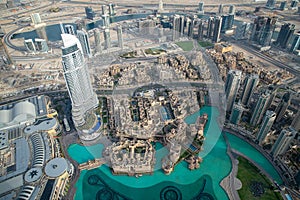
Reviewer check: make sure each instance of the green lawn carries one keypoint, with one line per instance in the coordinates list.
(205, 44)
(185, 45)
(248, 173)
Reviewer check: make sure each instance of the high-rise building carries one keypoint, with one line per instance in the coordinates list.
(111, 9)
(176, 27)
(106, 20)
(160, 6)
(84, 41)
(296, 122)
(283, 141)
(260, 108)
(107, 38)
(77, 79)
(200, 24)
(120, 36)
(104, 9)
(231, 9)
(41, 32)
(231, 87)
(189, 27)
(296, 43)
(266, 125)
(283, 5)
(242, 31)
(282, 107)
(294, 4)
(271, 3)
(227, 22)
(236, 113)
(35, 18)
(97, 36)
(250, 84)
(210, 27)
(182, 21)
(220, 11)
(201, 7)
(90, 14)
(217, 29)
(41, 45)
(70, 29)
(285, 34)
(29, 45)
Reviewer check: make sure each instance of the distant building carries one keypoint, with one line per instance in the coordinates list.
(106, 20)
(271, 4)
(283, 105)
(283, 141)
(227, 22)
(111, 9)
(260, 108)
(231, 9)
(120, 37)
(90, 14)
(294, 4)
(107, 38)
(236, 113)
(210, 27)
(70, 29)
(160, 6)
(231, 87)
(283, 5)
(200, 24)
(77, 79)
(176, 27)
(296, 44)
(84, 41)
(35, 18)
(266, 125)
(242, 31)
(296, 122)
(201, 8)
(250, 84)
(97, 36)
(285, 35)
(104, 10)
(220, 11)
(41, 45)
(29, 45)
(217, 29)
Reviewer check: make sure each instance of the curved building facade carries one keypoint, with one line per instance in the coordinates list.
(77, 79)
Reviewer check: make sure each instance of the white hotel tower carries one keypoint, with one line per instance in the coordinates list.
(77, 79)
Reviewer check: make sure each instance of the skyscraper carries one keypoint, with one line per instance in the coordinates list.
(106, 20)
(70, 29)
(283, 141)
(285, 34)
(201, 7)
(111, 9)
(260, 108)
(35, 18)
(296, 43)
(160, 6)
(210, 27)
(242, 31)
(29, 45)
(266, 125)
(84, 41)
(120, 36)
(231, 9)
(77, 79)
(283, 5)
(271, 3)
(104, 9)
(98, 47)
(41, 45)
(217, 29)
(200, 25)
(250, 84)
(236, 113)
(107, 38)
(296, 122)
(220, 11)
(283, 105)
(231, 87)
(90, 14)
(176, 27)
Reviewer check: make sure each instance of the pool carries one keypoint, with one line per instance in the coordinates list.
(181, 183)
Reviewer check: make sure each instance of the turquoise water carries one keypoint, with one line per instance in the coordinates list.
(243, 147)
(182, 183)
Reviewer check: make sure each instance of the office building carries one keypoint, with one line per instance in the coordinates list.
(242, 31)
(77, 79)
(296, 44)
(217, 29)
(231, 10)
(231, 87)
(250, 84)
(176, 27)
(182, 21)
(107, 38)
(29, 45)
(236, 113)
(189, 27)
(260, 108)
(227, 22)
(35, 18)
(90, 14)
(220, 11)
(283, 5)
(106, 20)
(283, 141)
(160, 6)
(111, 9)
(283, 105)
(41, 45)
(200, 24)
(70, 29)
(294, 4)
(120, 37)
(271, 4)
(97, 36)
(286, 33)
(266, 125)
(201, 8)
(210, 27)
(84, 41)
(296, 122)
(104, 9)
